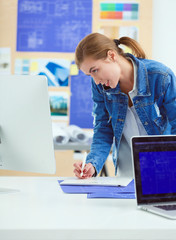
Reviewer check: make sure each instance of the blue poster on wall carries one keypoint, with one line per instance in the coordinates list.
(81, 103)
(52, 25)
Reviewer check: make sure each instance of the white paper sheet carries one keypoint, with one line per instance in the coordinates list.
(104, 181)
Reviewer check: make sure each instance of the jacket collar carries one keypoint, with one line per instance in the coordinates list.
(142, 82)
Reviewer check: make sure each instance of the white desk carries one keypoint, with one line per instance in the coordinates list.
(42, 211)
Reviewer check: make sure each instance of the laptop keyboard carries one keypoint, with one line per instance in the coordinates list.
(167, 207)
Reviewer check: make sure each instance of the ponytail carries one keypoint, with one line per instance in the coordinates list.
(132, 44)
(97, 45)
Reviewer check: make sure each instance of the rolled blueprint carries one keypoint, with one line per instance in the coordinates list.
(76, 134)
(60, 136)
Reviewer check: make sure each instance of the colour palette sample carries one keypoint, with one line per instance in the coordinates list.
(122, 11)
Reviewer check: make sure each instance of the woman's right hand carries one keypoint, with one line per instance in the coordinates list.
(88, 170)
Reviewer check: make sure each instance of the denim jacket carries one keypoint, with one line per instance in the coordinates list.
(155, 104)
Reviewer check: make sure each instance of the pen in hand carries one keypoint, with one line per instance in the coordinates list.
(83, 164)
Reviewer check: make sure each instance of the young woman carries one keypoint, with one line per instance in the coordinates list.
(132, 96)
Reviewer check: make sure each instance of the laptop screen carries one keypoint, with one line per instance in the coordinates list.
(154, 160)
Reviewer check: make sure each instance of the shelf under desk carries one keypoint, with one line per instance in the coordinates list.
(73, 146)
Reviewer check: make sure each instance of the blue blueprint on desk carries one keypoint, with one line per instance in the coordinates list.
(125, 192)
(101, 191)
(122, 195)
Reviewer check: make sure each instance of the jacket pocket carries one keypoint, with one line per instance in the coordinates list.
(159, 120)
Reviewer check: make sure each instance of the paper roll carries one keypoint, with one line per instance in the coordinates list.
(60, 136)
(76, 134)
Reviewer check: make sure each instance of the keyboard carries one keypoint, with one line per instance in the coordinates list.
(167, 207)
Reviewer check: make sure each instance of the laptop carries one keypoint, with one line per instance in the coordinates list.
(154, 167)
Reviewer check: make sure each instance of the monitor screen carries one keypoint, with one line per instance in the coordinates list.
(155, 168)
(26, 141)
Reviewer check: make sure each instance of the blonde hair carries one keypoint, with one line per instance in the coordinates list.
(97, 45)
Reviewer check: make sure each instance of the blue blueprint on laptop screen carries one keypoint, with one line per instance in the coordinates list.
(158, 172)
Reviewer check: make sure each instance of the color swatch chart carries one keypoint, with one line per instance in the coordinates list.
(122, 11)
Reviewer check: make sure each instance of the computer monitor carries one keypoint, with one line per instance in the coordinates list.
(26, 140)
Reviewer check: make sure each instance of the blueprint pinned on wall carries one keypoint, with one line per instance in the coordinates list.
(81, 103)
(52, 25)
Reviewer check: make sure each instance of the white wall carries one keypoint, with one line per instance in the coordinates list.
(164, 32)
